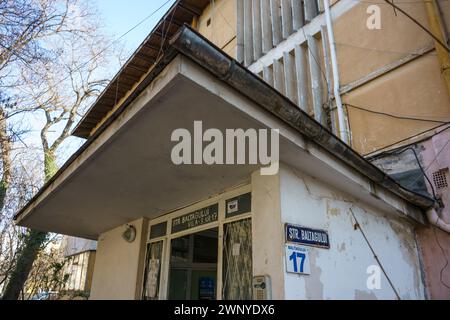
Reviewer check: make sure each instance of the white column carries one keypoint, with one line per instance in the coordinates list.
(286, 18)
(289, 80)
(316, 78)
(248, 33)
(310, 10)
(297, 13)
(266, 24)
(240, 31)
(302, 79)
(276, 21)
(278, 76)
(268, 75)
(326, 60)
(257, 32)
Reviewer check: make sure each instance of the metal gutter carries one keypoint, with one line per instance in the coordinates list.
(206, 54)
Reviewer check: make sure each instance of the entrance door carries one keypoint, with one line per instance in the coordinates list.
(193, 266)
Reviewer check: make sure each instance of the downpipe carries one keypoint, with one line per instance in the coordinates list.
(342, 118)
(436, 220)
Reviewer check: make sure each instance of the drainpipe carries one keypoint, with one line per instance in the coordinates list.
(436, 27)
(342, 119)
(435, 220)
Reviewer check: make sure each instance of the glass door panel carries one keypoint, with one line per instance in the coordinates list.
(193, 266)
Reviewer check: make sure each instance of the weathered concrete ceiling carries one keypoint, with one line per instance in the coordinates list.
(126, 173)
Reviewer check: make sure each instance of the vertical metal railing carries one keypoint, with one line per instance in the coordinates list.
(263, 24)
(301, 73)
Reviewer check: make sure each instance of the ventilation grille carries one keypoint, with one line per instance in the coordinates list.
(440, 178)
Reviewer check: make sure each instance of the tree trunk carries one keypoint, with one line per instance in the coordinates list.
(5, 147)
(3, 190)
(32, 244)
(50, 166)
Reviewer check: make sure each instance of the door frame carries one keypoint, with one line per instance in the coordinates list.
(219, 199)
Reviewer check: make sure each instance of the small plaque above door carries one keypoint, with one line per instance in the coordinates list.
(238, 205)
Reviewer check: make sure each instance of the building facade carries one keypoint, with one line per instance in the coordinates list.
(349, 214)
(79, 255)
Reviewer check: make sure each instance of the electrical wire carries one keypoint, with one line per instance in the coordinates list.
(396, 116)
(368, 155)
(322, 72)
(77, 68)
(431, 163)
(164, 36)
(315, 59)
(358, 226)
(443, 45)
(400, 151)
(441, 274)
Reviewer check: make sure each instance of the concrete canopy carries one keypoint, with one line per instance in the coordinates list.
(126, 173)
(130, 173)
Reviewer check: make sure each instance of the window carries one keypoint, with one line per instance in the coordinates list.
(152, 270)
(237, 260)
(203, 253)
(193, 266)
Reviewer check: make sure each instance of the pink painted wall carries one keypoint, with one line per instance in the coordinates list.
(437, 156)
(434, 243)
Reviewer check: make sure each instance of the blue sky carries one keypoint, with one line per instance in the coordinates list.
(119, 16)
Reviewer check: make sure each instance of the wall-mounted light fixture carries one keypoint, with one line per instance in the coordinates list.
(129, 235)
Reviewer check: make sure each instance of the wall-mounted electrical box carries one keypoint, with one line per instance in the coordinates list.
(262, 289)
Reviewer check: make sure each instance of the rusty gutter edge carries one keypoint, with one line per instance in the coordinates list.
(202, 51)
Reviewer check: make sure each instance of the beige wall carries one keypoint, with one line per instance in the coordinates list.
(361, 50)
(118, 264)
(221, 15)
(267, 231)
(415, 89)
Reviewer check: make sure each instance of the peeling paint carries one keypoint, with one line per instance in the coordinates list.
(332, 211)
(313, 284)
(340, 272)
(410, 254)
(341, 247)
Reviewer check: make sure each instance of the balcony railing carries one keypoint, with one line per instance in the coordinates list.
(299, 68)
(263, 24)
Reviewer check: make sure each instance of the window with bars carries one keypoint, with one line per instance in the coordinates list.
(263, 24)
(237, 260)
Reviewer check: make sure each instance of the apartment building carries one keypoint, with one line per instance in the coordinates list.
(358, 208)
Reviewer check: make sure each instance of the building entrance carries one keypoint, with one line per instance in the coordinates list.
(193, 266)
